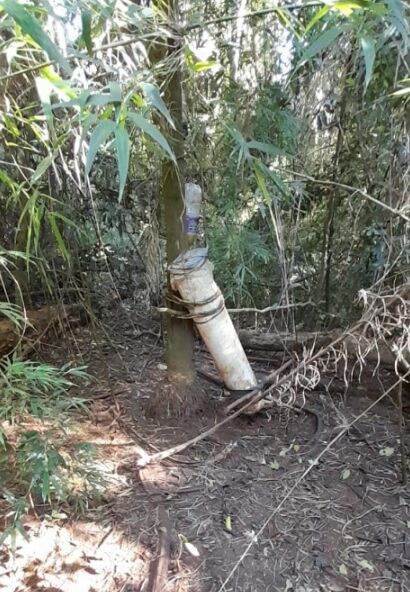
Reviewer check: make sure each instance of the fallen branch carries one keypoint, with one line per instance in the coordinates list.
(158, 576)
(37, 324)
(355, 345)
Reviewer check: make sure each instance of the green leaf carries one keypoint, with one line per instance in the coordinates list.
(369, 52)
(113, 96)
(153, 97)
(241, 144)
(61, 86)
(58, 236)
(14, 314)
(283, 17)
(261, 182)
(98, 138)
(11, 126)
(147, 127)
(41, 168)
(115, 92)
(266, 148)
(399, 19)
(201, 66)
(317, 17)
(321, 43)
(86, 31)
(122, 146)
(30, 26)
(346, 7)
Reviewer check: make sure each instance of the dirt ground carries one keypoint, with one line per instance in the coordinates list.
(246, 510)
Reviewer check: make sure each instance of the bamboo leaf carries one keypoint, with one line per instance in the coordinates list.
(98, 138)
(399, 19)
(41, 168)
(153, 97)
(13, 313)
(321, 43)
(266, 148)
(30, 26)
(369, 53)
(147, 127)
(86, 31)
(261, 182)
(113, 96)
(115, 92)
(122, 146)
(58, 236)
(202, 66)
(346, 7)
(319, 14)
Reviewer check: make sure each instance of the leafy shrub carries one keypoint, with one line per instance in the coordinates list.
(41, 466)
(40, 390)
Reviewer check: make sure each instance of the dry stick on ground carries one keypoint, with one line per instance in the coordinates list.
(402, 435)
(158, 576)
(314, 462)
(250, 398)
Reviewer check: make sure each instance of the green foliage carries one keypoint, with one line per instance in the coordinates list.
(17, 507)
(86, 33)
(42, 464)
(242, 258)
(99, 136)
(369, 52)
(57, 474)
(140, 122)
(38, 389)
(30, 26)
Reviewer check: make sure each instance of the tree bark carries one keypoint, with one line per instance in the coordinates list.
(180, 333)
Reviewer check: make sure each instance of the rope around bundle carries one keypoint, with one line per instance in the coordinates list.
(200, 318)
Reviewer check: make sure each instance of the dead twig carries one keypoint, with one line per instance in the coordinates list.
(159, 567)
(273, 307)
(355, 190)
(402, 435)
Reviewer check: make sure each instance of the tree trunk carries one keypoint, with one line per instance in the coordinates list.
(180, 334)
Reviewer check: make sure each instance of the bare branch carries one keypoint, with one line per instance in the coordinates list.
(274, 307)
(353, 190)
(71, 56)
(233, 17)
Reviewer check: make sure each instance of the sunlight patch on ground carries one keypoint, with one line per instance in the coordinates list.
(85, 557)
